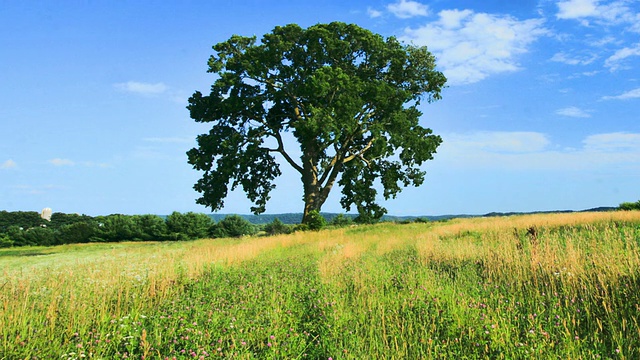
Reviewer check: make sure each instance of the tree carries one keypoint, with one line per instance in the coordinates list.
(630, 205)
(233, 226)
(189, 225)
(348, 97)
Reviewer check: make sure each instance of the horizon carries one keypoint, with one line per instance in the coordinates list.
(540, 113)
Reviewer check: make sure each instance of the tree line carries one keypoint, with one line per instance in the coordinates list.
(27, 228)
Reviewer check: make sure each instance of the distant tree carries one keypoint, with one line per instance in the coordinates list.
(5, 241)
(233, 226)
(116, 227)
(630, 205)
(151, 227)
(341, 220)
(189, 225)
(23, 219)
(348, 96)
(277, 227)
(78, 232)
(59, 219)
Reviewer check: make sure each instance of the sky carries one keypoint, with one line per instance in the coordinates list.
(541, 110)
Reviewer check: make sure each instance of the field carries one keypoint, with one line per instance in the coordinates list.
(560, 286)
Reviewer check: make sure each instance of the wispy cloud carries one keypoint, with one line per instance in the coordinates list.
(471, 46)
(405, 9)
(9, 164)
(373, 13)
(564, 58)
(61, 162)
(576, 9)
(534, 151)
(500, 141)
(604, 14)
(141, 88)
(613, 142)
(573, 111)
(631, 94)
(616, 61)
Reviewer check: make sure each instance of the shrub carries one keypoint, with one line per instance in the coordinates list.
(232, 226)
(190, 225)
(341, 221)
(5, 242)
(277, 227)
(630, 205)
(315, 221)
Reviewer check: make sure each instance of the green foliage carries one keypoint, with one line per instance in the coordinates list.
(630, 205)
(276, 227)
(233, 226)
(315, 221)
(78, 232)
(23, 219)
(152, 227)
(341, 221)
(188, 225)
(349, 97)
(59, 219)
(5, 241)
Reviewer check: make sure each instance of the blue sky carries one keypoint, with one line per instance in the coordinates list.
(541, 113)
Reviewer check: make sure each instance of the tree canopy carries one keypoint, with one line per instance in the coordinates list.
(347, 96)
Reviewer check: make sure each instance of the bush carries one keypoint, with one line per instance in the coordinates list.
(5, 242)
(232, 226)
(630, 205)
(277, 227)
(315, 221)
(341, 221)
(80, 232)
(188, 226)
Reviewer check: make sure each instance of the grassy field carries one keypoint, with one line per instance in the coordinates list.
(561, 286)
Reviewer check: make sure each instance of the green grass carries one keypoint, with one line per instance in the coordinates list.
(464, 289)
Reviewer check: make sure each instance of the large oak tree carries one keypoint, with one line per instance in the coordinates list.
(348, 96)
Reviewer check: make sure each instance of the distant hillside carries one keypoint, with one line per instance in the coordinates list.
(296, 218)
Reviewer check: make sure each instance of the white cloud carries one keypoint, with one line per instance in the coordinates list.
(499, 141)
(142, 88)
(613, 142)
(526, 151)
(612, 13)
(472, 46)
(631, 94)
(373, 13)
(405, 9)
(9, 164)
(61, 162)
(615, 61)
(573, 111)
(566, 59)
(575, 9)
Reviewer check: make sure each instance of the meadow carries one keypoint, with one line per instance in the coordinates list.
(553, 286)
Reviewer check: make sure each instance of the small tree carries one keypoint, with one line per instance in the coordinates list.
(315, 221)
(277, 227)
(630, 205)
(233, 226)
(191, 225)
(340, 221)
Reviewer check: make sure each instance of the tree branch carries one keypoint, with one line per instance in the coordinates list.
(281, 150)
(359, 153)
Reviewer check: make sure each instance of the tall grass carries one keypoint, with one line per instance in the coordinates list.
(535, 286)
